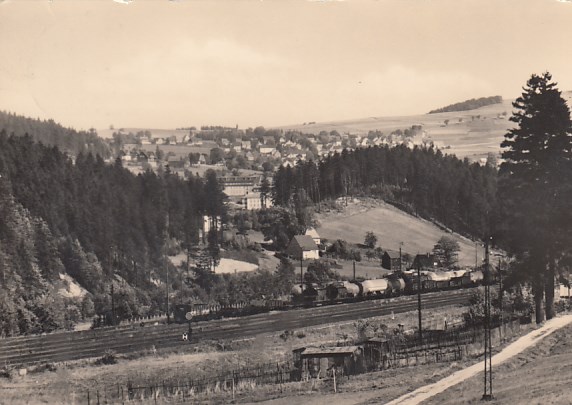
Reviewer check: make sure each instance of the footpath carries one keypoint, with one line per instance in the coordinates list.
(513, 349)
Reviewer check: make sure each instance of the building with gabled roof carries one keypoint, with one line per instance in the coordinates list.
(391, 260)
(303, 247)
(425, 261)
(314, 234)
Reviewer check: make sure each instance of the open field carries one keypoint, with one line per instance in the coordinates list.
(465, 134)
(391, 226)
(234, 266)
(365, 269)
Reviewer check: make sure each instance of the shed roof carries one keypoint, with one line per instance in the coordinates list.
(329, 351)
(392, 254)
(305, 242)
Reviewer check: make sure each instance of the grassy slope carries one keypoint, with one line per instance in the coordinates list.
(540, 375)
(391, 226)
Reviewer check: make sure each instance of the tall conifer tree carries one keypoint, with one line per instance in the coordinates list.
(535, 182)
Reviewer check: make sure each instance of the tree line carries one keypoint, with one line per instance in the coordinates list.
(51, 133)
(455, 193)
(471, 104)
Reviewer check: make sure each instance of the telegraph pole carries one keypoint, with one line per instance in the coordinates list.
(488, 375)
(167, 270)
(419, 300)
(112, 304)
(400, 269)
(301, 272)
(501, 293)
(165, 258)
(354, 270)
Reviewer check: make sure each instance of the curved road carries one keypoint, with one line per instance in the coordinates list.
(59, 347)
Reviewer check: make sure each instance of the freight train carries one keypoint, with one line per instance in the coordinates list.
(393, 285)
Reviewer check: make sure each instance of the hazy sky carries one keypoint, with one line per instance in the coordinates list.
(167, 64)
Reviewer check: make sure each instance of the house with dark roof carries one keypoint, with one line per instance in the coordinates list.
(425, 261)
(302, 247)
(391, 260)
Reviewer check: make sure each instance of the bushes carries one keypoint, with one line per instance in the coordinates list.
(342, 250)
(108, 357)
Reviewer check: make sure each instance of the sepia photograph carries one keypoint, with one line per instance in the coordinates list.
(278, 202)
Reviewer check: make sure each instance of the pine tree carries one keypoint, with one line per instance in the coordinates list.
(535, 183)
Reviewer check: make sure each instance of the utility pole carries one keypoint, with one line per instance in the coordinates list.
(112, 304)
(165, 259)
(167, 270)
(400, 244)
(110, 266)
(301, 272)
(419, 300)
(488, 375)
(501, 292)
(354, 270)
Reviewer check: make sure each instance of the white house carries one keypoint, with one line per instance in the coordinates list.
(303, 247)
(314, 234)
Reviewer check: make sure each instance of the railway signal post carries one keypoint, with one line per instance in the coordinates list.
(189, 318)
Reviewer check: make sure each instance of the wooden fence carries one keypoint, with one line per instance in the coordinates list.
(442, 346)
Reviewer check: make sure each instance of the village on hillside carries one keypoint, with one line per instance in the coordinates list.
(189, 151)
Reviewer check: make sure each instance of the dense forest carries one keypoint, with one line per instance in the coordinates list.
(455, 193)
(96, 222)
(469, 104)
(51, 133)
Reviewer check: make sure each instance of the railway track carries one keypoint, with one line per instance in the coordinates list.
(62, 347)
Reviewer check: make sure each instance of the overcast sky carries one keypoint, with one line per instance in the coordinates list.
(167, 64)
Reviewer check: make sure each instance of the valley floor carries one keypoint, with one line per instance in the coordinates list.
(535, 369)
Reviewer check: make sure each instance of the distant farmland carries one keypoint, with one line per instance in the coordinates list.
(391, 226)
(472, 134)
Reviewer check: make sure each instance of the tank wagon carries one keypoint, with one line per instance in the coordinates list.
(405, 282)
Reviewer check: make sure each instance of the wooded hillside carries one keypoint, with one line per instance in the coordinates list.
(51, 133)
(455, 193)
(469, 104)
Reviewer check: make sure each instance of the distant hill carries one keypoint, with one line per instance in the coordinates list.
(471, 104)
(471, 134)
